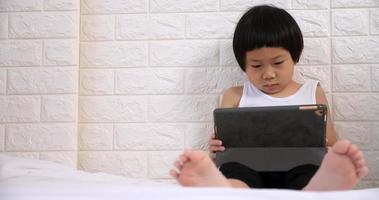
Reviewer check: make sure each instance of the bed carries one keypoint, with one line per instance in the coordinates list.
(22, 178)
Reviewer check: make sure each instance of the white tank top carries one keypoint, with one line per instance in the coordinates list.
(253, 97)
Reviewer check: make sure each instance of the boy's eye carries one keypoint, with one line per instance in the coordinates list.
(278, 63)
(256, 66)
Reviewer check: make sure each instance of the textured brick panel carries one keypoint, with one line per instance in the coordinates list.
(128, 54)
(357, 132)
(375, 77)
(3, 79)
(113, 109)
(350, 22)
(242, 5)
(61, 5)
(349, 106)
(61, 52)
(20, 108)
(149, 81)
(167, 26)
(2, 137)
(41, 137)
(316, 51)
(184, 53)
(20, 52)
(372, 159)
(212, 80)
(21, 5)
(59, 108)
(183, 6)
(37, 25)
(355, 50)
(161, 162)
(142, 136)
(28, 155)
(130, 164)
(310, 4)
(113, 6)
(313, 23)
(95, 136)
(96, 81)
(97, 27)
(354, 3)
(211, 25)
(198, 135)
(374, 17)
(182, 108)
(42, 80)
(227, 54)
(66, 158)
(351, 78)
(154, 26)
(375, 135)
(3, 25)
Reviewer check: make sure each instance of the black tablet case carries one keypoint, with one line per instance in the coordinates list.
(276, 138)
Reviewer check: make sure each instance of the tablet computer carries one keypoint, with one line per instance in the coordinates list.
(276, 138)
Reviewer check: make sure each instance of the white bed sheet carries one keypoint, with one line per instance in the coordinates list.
(22, 179)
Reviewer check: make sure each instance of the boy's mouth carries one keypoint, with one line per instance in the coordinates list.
(270, 86)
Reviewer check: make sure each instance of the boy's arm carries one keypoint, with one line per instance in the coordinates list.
(231, 97)
(330, 133)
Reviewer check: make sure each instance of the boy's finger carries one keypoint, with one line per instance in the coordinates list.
(215, 142)
(217, 148)
(174, 173)
(213, 148)
(178, 165)
(183, 158)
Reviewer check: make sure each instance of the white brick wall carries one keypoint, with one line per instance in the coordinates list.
(42, 25)
(42, 80)
(21, 5)
(20, 53)
(3, 25)
(39, 64)
(2, 137)
(3, 79)
(40, 137)
(131, 54)
(151, 72)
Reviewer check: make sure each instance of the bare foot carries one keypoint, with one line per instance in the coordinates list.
(195, 168)
(341, 169)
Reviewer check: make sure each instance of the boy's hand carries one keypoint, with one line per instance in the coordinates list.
(215, 145)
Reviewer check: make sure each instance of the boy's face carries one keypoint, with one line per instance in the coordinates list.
(270, 69)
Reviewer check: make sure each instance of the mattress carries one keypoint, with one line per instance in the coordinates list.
(22, 179)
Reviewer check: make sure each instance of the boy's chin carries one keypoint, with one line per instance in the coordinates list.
(271, 90)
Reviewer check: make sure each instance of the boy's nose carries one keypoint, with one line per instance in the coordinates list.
(269, 73)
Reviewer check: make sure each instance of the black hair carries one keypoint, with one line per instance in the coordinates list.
(266, 26)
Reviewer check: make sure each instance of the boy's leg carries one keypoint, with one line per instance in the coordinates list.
(241, 176)
(236, 183)
(342, 167)
(297, 178)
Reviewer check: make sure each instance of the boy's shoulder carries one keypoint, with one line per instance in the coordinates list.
(235, 90)
(232, 96)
